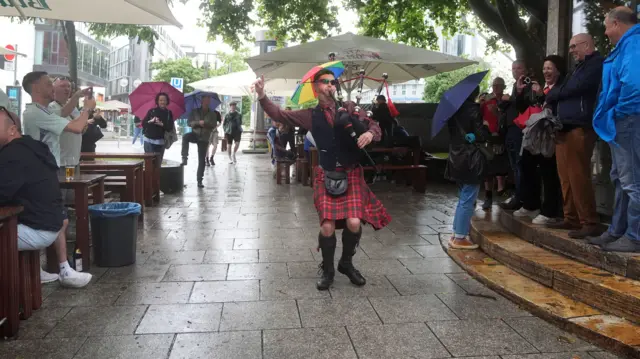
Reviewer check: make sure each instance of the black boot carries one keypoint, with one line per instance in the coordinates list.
(206, 161)
(328, 247)
(350, 241)
(211, 161)
(185, 160)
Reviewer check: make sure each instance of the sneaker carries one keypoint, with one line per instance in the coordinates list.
(211, 161)
(540, 219)
(200, 185)
(526, 213)
(71, 278)
(46, 277)
(603, 239)
(512, 203)
(230, 159)
(234, 158)
(462, 243)
(623, 244)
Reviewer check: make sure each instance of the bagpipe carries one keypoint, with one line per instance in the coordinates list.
(351, 121)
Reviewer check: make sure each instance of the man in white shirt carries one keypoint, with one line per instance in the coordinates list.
(64, 105)
(42, 124)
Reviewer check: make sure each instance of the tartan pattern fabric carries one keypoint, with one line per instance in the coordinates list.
(358, 202)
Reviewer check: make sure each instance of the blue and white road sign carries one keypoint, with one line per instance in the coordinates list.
(178, 82)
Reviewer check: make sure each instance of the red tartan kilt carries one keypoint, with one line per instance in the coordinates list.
(358, 202)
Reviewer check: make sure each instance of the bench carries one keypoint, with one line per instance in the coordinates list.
(29, 282)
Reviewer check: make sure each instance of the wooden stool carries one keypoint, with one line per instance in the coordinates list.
(30, 286)
(282, 165)
(302, 171)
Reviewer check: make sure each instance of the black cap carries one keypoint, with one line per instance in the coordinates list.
(233, 103)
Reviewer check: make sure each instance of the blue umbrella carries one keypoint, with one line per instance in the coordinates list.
(193, 100)
(453, 99)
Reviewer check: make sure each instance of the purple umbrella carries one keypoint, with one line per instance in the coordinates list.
(143, 98)
(193, 100)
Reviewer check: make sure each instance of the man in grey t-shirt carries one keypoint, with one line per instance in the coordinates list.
(42, 124)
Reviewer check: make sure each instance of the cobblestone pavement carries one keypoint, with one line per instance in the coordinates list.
(229, 271)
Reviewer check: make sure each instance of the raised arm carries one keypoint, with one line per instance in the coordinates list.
(299, 118)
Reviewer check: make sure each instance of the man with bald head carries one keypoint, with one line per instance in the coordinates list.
(28, 177)
(617, 121)
(576, 100)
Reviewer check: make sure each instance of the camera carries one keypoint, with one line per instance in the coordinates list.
(527, 80)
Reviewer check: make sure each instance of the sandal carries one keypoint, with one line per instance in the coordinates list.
(468, 245)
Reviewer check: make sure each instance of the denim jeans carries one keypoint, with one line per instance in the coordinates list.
(625, 175)
(137, 132)
(513, 143)
(151, 148)
(464, 210)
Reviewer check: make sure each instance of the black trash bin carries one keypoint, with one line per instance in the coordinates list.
(114, 230)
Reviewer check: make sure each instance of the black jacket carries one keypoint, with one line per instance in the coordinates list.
(526, 99)
(469, 118)
(29, 177)
(575, 99)
(93, 134)
(154, 131)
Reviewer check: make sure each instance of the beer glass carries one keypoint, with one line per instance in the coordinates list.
(70, 169)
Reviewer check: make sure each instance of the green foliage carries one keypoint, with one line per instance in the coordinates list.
(233, 62)
(435, 86)
(293, 20)
(108, 31)
(245, 110)
(311, 104)
(595, 12)
(178, 68)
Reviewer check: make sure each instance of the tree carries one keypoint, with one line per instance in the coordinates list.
(595, 12)
(182, 68)
(245, 110)
(437, 85)
(142, 33)
(297, 20)
(520, 23)
(233, 62)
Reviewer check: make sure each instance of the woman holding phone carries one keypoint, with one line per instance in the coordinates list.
(155, 124)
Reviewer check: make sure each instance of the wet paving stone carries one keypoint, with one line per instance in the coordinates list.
(229, 272)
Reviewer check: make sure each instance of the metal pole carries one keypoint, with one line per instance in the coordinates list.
(15, 67)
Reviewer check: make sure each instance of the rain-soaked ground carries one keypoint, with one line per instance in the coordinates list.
(229, 272)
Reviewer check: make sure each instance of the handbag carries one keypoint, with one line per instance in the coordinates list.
(170, 137)
(336, 183)
(469, 160)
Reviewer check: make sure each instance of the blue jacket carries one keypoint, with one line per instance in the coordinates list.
(620, 96)
(575, 99)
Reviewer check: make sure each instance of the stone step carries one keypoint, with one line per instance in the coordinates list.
(624, 264)
(596, 287)
(608, 331)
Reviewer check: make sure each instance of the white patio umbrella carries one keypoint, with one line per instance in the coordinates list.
(139, 12)
(400, 62)
(239, 84)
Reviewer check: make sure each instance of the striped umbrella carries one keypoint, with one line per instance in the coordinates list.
(305, 91)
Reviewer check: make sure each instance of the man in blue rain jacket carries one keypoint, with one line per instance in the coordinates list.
(617, 121)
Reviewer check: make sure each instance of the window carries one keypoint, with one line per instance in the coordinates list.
(404, 90)
(414, 89)
(460, 44)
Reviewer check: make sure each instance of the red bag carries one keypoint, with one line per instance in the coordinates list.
(521, 120)
(393, 111)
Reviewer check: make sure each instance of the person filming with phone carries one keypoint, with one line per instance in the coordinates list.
(155, 124)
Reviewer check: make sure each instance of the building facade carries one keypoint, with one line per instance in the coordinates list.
(131, 61)
(52, 55)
